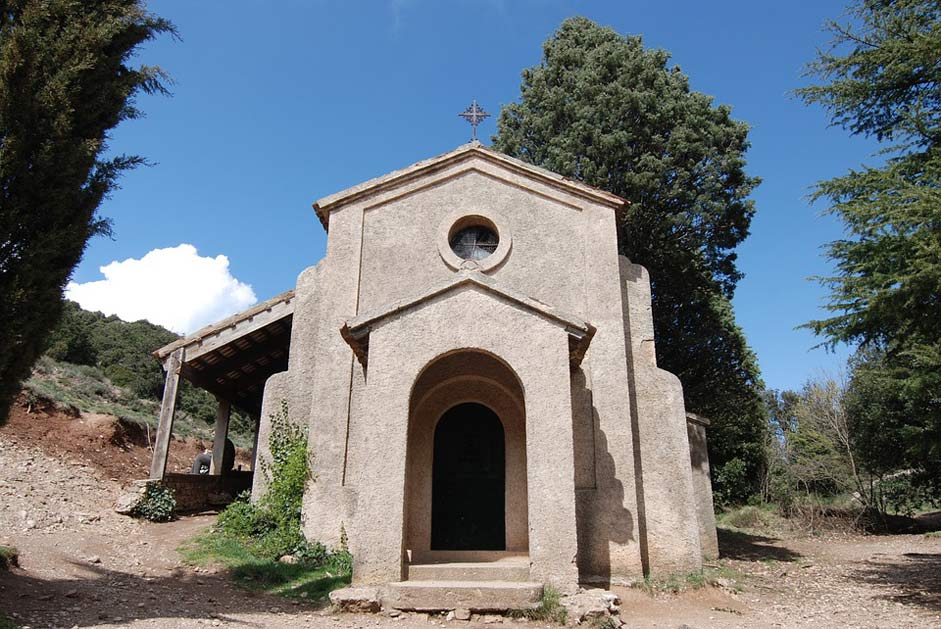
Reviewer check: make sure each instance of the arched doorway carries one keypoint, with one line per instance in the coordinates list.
(468, 480)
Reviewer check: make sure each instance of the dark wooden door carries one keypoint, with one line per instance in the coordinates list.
(468, 481)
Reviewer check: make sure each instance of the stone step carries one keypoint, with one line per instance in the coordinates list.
(516, 570)
(477, 596)
(473, 556)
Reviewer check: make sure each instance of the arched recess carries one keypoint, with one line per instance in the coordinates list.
(465, 376)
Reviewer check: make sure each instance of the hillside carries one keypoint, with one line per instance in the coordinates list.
(100, 364)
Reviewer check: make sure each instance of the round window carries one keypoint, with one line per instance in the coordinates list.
(474, 242)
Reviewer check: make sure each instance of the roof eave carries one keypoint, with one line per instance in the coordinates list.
(356, 331)
(214, 328)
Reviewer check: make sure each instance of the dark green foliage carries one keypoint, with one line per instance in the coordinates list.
(65, 83)
(730, 483)
(122, 351)
(882, 78)
(882, 73)
(157, 504)
(9, 557)
(603, 109)
(272, 528)
(893, 433)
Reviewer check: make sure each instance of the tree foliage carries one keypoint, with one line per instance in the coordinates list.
(122, 350)
(815, 445)
(839, 438)
(882, 78)
(603, 109)
(65, 82)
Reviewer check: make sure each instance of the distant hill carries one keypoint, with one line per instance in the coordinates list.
(120, 349)
(101, 364)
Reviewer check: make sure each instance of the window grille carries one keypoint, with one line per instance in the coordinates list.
(474, 243)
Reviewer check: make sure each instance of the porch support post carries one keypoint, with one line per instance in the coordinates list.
(222, 433)
(255, 443)
(158, 466)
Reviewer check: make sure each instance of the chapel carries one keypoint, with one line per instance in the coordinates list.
(475, 365)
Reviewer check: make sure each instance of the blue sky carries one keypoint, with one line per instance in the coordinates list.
(278, 104)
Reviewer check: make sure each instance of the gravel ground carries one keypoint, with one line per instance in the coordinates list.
(82, 565)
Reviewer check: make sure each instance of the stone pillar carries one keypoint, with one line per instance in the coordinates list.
(550, 462)
(702, 485)
(277, 388)
(375, 486)
(666, 501)
(221, 434)
(158, 465)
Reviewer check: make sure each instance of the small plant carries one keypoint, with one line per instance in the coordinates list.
(606, 622)
(550, 608)
(696, 580)
(157, 504)
(341, 561)
(9, 557)
(675, 582)
(313, 553)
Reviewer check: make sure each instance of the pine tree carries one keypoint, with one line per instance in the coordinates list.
(882, 79)
(65, 82)
(603, 109)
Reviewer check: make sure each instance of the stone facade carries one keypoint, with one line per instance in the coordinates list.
(550, 329)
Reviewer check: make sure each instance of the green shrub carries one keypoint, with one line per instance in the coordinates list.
(905, 493)
(727, 481)
(752, 517)
(249, 538)
(241, 519)
(9, 557)
(157, 504)
(271, 528)
(288, 471)
(313, 553)
(340, 561)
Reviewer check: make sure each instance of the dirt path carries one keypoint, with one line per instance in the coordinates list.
(83, 565)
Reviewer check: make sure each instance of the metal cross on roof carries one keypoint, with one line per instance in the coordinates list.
(474, 115)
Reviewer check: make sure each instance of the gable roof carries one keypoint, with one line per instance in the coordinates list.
(324, 206)
(356, 331)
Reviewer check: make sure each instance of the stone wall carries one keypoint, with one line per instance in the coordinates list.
(699, 459)
(197, 492)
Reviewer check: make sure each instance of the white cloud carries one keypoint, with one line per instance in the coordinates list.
(173, 287)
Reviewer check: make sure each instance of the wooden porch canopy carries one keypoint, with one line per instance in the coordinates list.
(231, 359)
